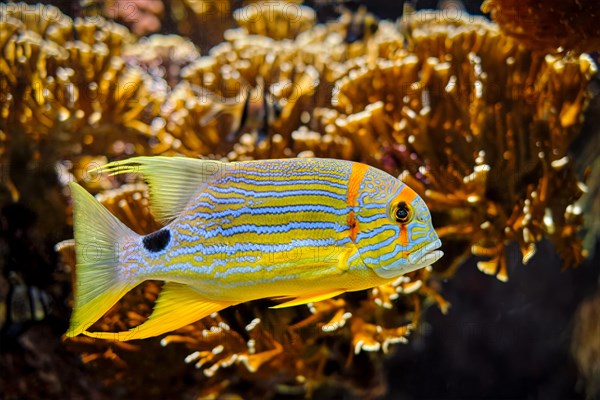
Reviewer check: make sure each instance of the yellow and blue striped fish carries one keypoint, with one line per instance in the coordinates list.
(300, 230)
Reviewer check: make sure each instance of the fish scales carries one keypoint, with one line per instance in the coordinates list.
(280, 240)
(301, 230)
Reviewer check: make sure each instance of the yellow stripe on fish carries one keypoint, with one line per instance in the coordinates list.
(302, 230)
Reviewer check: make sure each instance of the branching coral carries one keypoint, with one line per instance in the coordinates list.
(65, 95)
(219, 85)
(204, 21)
(278, 20)
(549, 25)
(47, 21)
(29, 62)
(325, 47)
(485, 146)
(162, 56)
(285, 78)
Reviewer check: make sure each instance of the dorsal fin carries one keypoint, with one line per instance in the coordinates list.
(172, 181)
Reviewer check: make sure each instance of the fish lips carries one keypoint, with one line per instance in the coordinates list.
(420, 258)
(426, 255)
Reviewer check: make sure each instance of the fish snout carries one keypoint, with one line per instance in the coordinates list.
(427, 254)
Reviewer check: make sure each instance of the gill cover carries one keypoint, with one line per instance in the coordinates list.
(395, 235)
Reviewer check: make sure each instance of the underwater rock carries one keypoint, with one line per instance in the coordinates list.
(585, 345)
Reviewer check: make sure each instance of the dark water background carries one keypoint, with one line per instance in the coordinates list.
(499, 340)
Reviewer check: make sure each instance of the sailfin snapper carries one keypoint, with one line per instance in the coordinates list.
(301, 230)
(254, 113)
(361, 25)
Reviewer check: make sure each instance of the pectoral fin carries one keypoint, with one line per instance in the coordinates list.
(345, 257)
(177, 305)
(310, 298)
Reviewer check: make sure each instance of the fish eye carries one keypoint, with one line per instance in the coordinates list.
(403, 213)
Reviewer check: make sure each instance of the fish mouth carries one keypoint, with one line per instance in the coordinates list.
(418, 259)
(426, 255)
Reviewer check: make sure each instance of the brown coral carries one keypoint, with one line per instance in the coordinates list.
(277, 20)
(296, 76)
(45, 20)
(64, 96)
(204, 21)
(257, 66)
(456, 122)
(549, 25)
(162, 57)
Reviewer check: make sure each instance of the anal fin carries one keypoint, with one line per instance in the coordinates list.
(178, 305)
(310, 298)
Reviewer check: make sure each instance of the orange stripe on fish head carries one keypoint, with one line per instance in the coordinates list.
(356, 177)
(406, 195)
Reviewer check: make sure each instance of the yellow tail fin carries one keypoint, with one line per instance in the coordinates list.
(98, 285)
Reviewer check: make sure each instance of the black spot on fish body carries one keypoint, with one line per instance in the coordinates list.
(157, 241)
